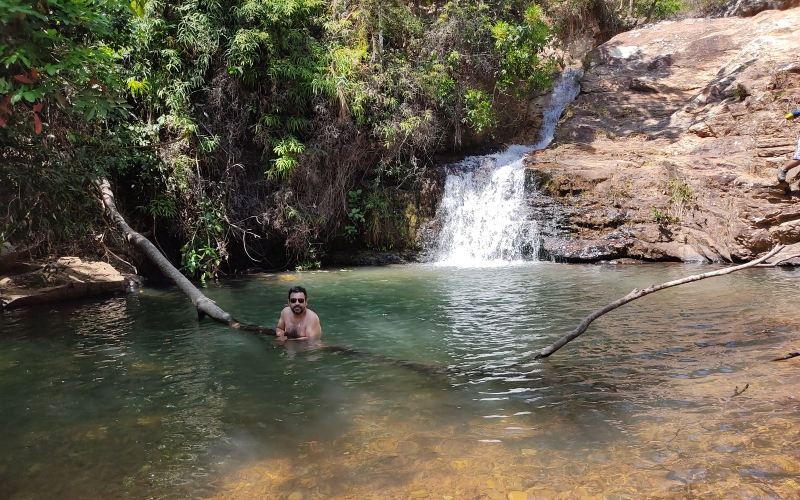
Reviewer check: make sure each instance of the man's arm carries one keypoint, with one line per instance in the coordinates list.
(280, 330)
(314, 331)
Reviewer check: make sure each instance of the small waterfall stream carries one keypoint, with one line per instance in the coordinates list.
(483, 214)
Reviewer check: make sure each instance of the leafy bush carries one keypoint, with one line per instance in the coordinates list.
(520, 46)
(478, 111)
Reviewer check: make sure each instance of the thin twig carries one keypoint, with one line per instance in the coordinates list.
(156, 145)
(736, 390)
(108, 251)
(787, 356)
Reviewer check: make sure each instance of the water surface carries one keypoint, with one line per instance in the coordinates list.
(130, 397)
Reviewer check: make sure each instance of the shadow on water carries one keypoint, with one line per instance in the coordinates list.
(132, 397)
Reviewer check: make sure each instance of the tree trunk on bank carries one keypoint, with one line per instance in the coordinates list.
(635, 294)
(204, 305)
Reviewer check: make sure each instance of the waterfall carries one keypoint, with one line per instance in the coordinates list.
(483, 214)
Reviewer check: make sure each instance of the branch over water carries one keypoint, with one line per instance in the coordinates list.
(635, 294)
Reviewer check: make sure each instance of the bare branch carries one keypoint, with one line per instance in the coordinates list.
(787, 356)
(635, 294)
(736, 390)
(204, 305)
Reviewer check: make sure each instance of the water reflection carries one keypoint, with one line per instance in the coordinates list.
(132, 397)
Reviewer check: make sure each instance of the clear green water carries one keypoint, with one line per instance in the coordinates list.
(130, 397)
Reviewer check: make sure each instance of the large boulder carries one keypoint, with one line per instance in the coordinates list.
(670, 151)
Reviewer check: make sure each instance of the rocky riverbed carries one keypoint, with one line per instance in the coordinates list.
(670, 151)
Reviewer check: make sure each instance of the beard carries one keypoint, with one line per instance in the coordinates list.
(297, 309)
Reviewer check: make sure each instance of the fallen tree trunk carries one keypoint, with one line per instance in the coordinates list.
(635, 294)
(204, 305)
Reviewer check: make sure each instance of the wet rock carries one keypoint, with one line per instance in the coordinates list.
(370, 258)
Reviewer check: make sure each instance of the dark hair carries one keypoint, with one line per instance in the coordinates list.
(298, 289)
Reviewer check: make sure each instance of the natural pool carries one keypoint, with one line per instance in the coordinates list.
(130, 397)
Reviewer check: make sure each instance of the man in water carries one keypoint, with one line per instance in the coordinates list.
(297, 321)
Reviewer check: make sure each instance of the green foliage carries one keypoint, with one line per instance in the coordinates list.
(274, 45)
(62, 51)
(681, 198)
(478, 111)
(437, 81)
(202, 254)
(172, 48)
(162, 207)
(521, 65)
(63, 118)
(656, 10)
(374, 217)
(308, 265)
(680, 193)
(200, 260)
(661, 216)
(139, 91)
(355, 214)
(287, 150)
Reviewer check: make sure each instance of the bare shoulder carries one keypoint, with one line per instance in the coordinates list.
(312, 315)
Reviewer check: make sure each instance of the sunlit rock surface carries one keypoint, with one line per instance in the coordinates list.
(671, 149)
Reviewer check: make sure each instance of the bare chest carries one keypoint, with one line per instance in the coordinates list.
(296, 328)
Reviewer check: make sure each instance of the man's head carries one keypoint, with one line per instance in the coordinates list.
(298, 299)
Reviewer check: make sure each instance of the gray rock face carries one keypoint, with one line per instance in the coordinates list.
(749, 8)
(670, 152)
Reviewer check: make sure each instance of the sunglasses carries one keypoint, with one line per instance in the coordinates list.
(300, 301)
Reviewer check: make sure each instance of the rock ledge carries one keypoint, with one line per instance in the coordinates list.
(67, 278)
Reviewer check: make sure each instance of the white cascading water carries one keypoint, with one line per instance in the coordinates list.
(483, 213)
